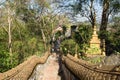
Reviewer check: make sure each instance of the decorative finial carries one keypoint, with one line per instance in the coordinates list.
(95, 30)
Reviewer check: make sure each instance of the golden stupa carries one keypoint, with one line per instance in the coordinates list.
(94, 44)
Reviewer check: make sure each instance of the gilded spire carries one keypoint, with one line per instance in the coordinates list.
(95, 39)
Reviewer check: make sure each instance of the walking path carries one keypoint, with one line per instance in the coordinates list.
(47, 71)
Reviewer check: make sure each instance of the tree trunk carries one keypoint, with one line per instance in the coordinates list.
(9, 33)
(44, 38)
(103, 26)
(92, 14)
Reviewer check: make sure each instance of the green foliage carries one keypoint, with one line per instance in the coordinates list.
(23, 49)
(95, 60)
(103, 34)
(83, 36)
(58, 34)
(26, 38)
(20, 31)
(112, 37)
(64, 29)
(32, 44)
(19, 50)
(3, 34)
(40, 48)
(5, 61)
(29, 25)
(69, 46)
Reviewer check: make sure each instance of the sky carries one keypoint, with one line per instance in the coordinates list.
(1, 1)
(67, 11)
(78, 17)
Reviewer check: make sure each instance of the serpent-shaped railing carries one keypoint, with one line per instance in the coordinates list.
(25, 69)
(72, 68)
(86, 71)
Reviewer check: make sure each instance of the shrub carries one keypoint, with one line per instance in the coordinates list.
(5, 61)
(69, 46)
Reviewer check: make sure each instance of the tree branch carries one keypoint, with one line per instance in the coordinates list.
(88, 18)
(110, 12)
(5, 29)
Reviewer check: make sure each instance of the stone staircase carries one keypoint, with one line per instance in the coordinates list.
(47, 71)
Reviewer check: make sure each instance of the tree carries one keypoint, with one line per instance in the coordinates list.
(83, 36)
(8, 15)
(109, 7)
(113, 36)
(19, 31)
(87, 9)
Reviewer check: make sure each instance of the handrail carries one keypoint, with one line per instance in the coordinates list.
(95, 67)
(85, 71)
(25, 69)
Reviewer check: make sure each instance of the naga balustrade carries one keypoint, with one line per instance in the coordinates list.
(82, 70)
(24, 70)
